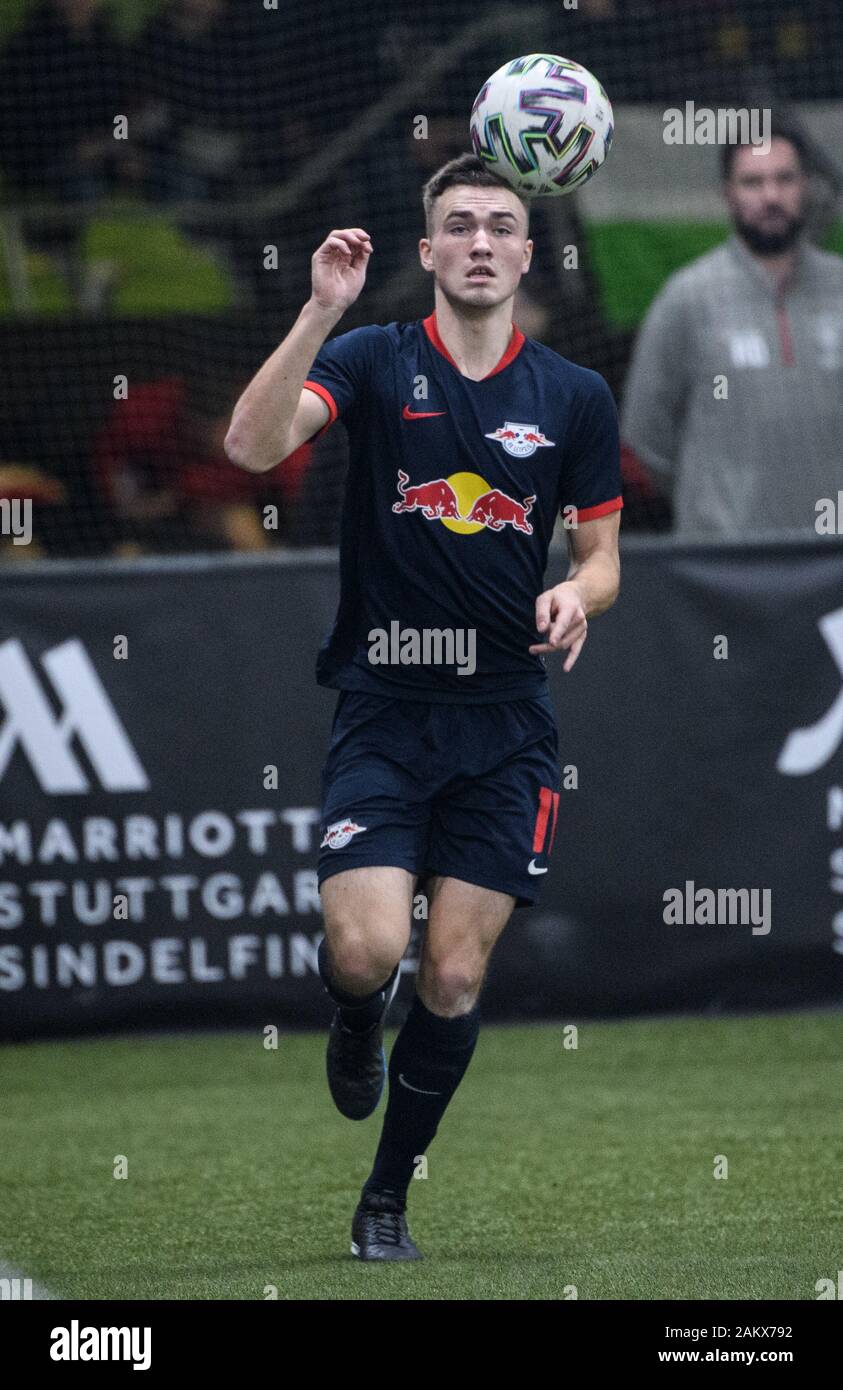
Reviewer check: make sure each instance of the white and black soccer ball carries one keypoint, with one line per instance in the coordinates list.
(543, 123)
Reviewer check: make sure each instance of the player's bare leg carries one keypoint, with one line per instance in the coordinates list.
(367, 927)
(430, 1055)
(464, 922)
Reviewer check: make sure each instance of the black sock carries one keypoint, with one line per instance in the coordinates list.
(358, 1012)
(430, 1054)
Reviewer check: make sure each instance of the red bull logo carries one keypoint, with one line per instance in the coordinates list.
(436, 499)
(465, 503)
(340, 833)
(520, 440)
(496, 510)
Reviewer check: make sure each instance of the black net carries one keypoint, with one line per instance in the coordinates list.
(169, 168)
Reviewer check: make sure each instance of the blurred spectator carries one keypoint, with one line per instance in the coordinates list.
(665, 50)
(196, 65)
(160, 468)
(63, 79)
(218, 124)
(734, 398)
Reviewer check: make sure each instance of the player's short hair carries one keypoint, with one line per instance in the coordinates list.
(778, 131)
(466, 169)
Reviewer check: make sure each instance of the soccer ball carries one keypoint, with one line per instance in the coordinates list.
(543, 123)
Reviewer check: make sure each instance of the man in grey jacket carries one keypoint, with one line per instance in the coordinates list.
(734, 398)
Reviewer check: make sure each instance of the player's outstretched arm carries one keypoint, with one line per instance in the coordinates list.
(275, 415)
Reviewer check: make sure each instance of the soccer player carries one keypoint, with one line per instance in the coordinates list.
(467, 441)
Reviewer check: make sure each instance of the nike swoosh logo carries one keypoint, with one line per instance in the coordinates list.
(531, 868)
(408, 414)
(416, 1088)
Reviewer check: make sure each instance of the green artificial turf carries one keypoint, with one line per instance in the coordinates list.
(553, 1167)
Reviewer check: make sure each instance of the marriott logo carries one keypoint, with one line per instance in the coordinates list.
(87, 715)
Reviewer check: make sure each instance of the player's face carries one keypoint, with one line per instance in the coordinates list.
(478, 249)
(766, 195)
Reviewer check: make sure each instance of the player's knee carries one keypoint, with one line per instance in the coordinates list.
(359, 961)
(451, 985)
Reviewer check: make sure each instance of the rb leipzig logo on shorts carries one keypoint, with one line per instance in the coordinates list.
(340, 833)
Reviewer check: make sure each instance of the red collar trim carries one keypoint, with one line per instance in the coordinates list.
(514, 346)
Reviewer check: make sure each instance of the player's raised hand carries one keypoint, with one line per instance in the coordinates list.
(560, 615)
(339, 268)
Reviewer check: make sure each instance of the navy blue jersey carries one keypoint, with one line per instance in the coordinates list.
(453, 490)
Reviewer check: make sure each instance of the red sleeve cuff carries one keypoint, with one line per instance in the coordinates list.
(602, 509)
(330, 403)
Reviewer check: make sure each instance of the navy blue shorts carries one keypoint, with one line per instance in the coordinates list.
(467, 791)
